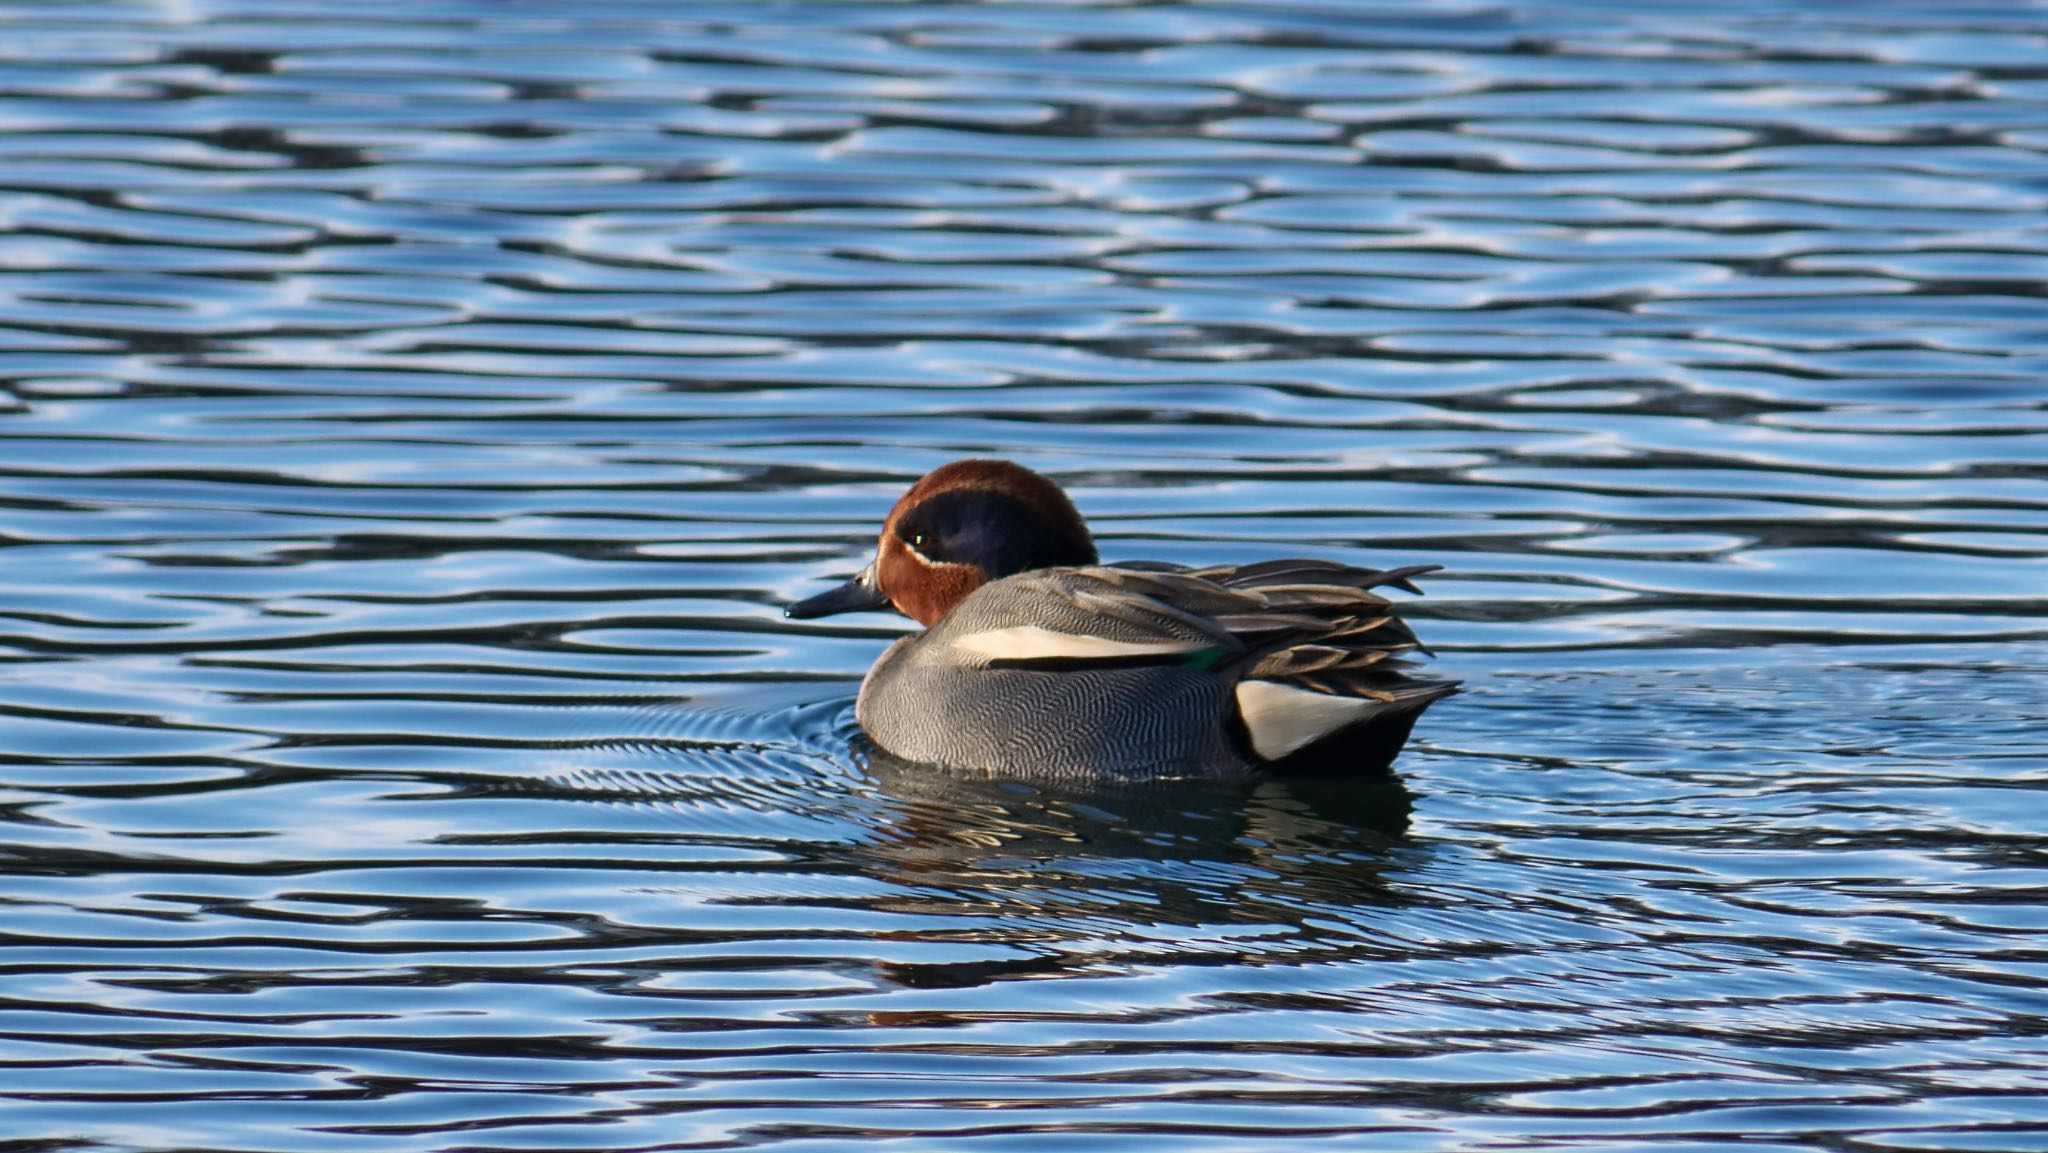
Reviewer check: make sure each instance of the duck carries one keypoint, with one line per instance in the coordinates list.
(1035, 658)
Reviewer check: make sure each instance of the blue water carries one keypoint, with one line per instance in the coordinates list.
(413, 417)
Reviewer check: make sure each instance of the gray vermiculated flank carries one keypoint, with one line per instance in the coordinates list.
(1129, 721)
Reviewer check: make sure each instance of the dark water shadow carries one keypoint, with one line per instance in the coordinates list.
(1080, 874)
(950, 817)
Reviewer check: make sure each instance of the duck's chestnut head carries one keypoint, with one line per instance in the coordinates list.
(961, 526)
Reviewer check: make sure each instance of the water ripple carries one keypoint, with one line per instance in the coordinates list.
(411, 426)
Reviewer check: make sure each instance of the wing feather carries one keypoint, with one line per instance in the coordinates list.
(1302, 624)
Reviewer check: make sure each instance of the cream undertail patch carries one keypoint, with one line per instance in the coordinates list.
(1281, 718)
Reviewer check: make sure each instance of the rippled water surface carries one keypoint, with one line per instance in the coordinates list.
(413, 417)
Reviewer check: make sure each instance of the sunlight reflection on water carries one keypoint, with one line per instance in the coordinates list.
(413, 421)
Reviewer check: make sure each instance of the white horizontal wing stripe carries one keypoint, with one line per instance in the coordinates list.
(1033, 642)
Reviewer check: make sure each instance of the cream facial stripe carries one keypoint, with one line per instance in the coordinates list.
(924, 560)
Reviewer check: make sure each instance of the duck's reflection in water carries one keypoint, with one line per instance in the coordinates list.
(1076, 875)
(1011, 877)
